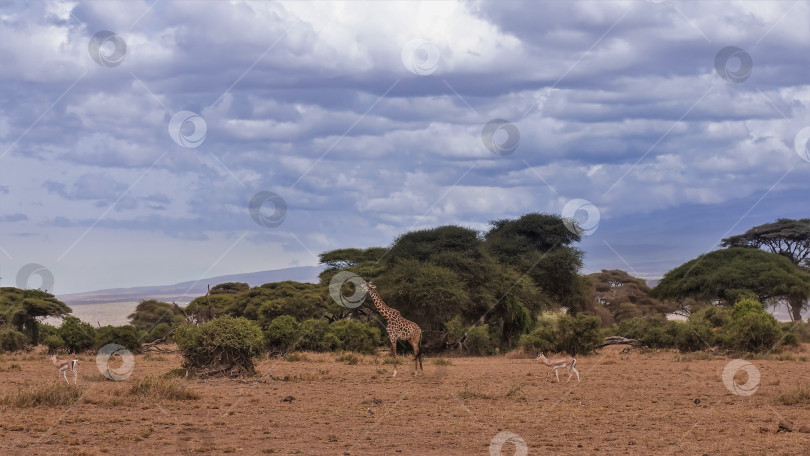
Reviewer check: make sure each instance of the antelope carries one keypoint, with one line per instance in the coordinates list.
(563, 362)
(63, 367)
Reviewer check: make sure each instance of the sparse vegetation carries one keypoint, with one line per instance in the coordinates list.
(797, 396)
(162, 388)
(52, 394)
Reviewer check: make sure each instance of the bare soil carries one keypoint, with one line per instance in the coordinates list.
(638, 403)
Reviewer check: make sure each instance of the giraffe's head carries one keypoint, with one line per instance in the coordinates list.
(368, 286)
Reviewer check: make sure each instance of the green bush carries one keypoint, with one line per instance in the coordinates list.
(564, 333)
(352, 335)
(542, 339)
(12, 340)
(578, 335)
(224, 345)
(53, 342)
(78, 335)
(127, 336)
(160, 331)
(479, 341)
(751, 328)
(312, 335)
(282, 333)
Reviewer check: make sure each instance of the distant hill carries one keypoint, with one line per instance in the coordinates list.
(186, 291)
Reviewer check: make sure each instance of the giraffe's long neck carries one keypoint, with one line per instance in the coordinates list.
(383, 309)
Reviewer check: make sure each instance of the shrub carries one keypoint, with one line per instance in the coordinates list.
(353, 335)
(126, 336)
(160, 331)
(78, 335)
(53, 342)
(224, 345)
(282, 333)
(564, 333)
(751, 328)
(543, 338)
(12, 340)
(479, 341)
(578, 335)
(312, 335)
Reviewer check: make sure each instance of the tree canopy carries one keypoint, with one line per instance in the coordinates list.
(726, 276)
(787, 237)
(21, 309)
(625, 297)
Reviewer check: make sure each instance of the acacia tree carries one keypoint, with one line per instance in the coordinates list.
(787, 237)
(726, 276)
(625, 296)
(539, 245)
(24, 308)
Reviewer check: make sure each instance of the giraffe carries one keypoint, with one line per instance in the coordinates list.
(398, 328)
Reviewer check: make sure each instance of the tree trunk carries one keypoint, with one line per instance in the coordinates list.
(796, 304)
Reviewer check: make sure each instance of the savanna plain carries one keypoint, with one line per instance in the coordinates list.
(637, 402)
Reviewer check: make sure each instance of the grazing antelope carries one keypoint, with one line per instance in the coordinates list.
(63, 367)
(563, 362)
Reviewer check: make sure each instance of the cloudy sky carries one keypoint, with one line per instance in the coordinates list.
(146, 143)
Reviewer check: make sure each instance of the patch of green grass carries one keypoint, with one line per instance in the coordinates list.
(163, 388)
(442, 362)
(798, 396)
(45, 395)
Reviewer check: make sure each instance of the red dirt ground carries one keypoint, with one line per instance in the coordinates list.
(637, 403)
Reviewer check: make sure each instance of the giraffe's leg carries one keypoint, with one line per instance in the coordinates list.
(416, 360)
(394, 353)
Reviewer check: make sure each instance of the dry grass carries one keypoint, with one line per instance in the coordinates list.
(43, 395)
(797, 396)
(163, 388)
